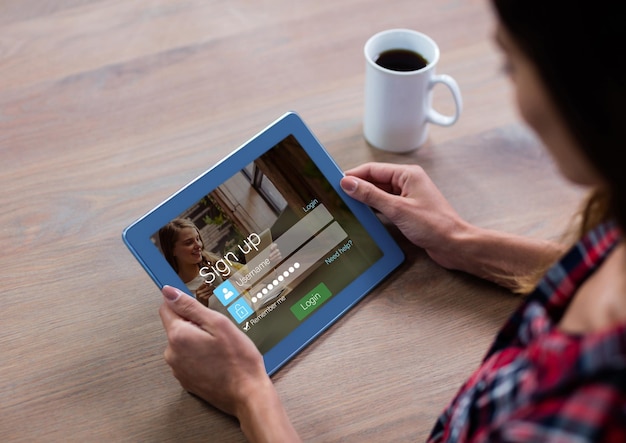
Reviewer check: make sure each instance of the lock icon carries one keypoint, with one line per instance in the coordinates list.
(240, 310)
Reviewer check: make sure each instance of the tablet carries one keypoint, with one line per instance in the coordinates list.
(268, 238)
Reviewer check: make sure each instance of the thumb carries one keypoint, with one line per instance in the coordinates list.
(368, 193)
(183, 305)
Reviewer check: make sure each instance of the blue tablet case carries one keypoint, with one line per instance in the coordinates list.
(281, 188)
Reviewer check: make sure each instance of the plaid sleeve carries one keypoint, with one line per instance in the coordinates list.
(538, 384)
(593, 413)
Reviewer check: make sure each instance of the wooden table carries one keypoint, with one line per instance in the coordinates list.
(109, 106)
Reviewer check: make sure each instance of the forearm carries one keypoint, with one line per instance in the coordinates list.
(498, 257)
(264, 419)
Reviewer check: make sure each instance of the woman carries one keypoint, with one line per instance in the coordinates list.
(557, 369)
(183, 249)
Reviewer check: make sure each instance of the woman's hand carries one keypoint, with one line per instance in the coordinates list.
(203, 293)
(275, 255)
(208, 354)
(410, 200)
(216, 361)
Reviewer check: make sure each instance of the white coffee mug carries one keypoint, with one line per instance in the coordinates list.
(398, 104)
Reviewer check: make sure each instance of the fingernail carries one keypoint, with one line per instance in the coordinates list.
(171, 293)
(349, 184)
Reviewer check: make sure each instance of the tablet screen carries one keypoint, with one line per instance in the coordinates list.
(268, 238)
(269, 246)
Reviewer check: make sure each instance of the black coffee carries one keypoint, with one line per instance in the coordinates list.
(401, 60)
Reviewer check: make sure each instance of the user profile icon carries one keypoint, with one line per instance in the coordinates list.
(226, 293)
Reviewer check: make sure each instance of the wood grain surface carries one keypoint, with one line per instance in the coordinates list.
(109, 106)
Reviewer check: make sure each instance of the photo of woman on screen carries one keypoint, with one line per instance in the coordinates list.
(184, 250)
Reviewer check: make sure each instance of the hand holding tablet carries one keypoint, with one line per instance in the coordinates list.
(272, 239)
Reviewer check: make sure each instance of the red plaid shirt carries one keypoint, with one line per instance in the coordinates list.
(539, 384)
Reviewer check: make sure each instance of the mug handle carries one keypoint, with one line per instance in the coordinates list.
(446, 120)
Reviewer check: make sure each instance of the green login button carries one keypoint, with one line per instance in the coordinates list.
(311, 301)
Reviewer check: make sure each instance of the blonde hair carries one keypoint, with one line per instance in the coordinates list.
(168, 236)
